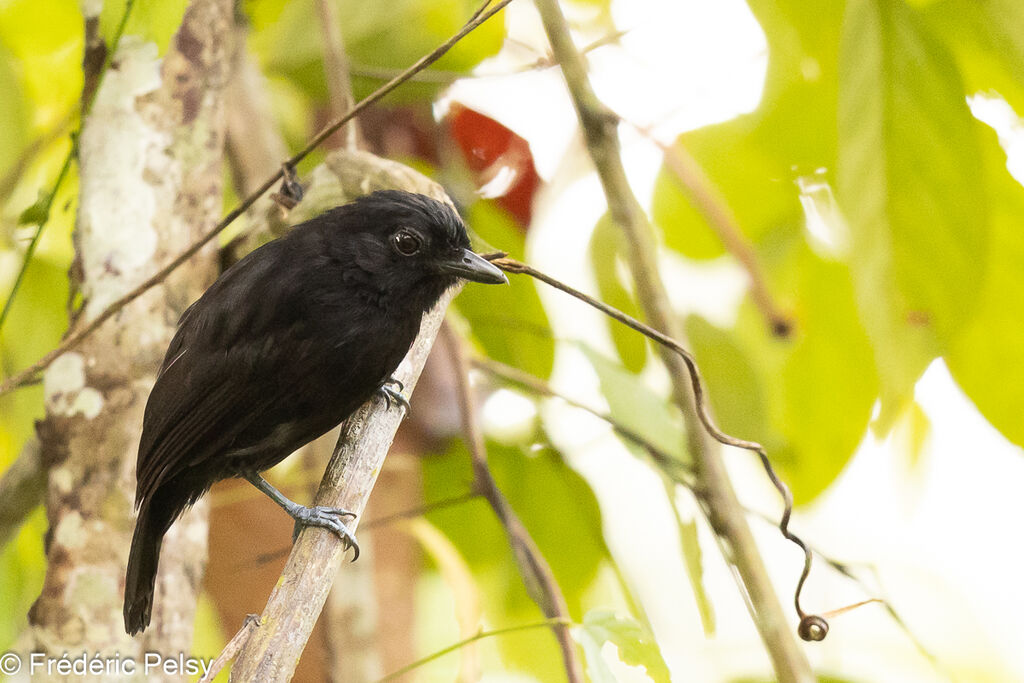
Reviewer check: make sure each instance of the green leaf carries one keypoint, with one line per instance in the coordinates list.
(735, 388)
(796, 122)
(549, 498)
(636, 646)
(694, 558)
(38, 213)
(606, 244)
(988, 42)
(153, 20)
(46, 40)
(910, 182)
(986, 359)
(748, 183)
(807, 399)
(13, 122)
(509, 322)
(634, 405)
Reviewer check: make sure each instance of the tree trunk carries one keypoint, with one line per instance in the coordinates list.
(150, 183)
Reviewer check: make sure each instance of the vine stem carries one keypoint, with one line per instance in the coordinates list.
(533, 567)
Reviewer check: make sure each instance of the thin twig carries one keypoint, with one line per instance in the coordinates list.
(537, 575)
(468, 641)
(234, 646)
(447, 77)
(72, 340)
(720, 217)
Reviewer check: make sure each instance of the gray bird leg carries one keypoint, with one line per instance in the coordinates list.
(322, 516)
(393, 395)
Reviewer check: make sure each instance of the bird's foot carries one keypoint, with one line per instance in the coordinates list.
(323, 516)
(328, 518)
(394, 395)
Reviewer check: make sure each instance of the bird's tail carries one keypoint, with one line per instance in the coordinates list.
(140, 579)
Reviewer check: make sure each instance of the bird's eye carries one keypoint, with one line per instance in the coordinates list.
(406, 243)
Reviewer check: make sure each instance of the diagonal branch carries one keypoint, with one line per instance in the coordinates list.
(537, 575)
(26, 376)
(723, 509)
(273, 650)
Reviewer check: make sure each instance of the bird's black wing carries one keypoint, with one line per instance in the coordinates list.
(241, 351)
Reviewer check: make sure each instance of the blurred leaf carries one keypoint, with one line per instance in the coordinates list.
(152, 20)
(46, 40)
(750, 184)
(693, 556)
(457, 576)
(986, 359)
(637, 407)
(509, 322)
(735, 391)
(910, 433)
(550, 498)
(910, 182)
(208, 636)
(13, 122)
(37, 321)
(38, 212)
(795, 125)
(393, 35)
(987, 39)
(635, 644)
(606, 244)
(22, 566)
(806, 399)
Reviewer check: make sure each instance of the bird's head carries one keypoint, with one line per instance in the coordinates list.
(401, 242)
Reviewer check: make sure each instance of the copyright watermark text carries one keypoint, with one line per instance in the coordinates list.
(97, 664)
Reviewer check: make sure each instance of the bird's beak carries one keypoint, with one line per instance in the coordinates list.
(469, 266)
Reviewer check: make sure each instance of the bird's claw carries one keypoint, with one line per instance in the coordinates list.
(328, 518)
(291, 191)
(393, 395)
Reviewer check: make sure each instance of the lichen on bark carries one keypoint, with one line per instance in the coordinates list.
(150, 184)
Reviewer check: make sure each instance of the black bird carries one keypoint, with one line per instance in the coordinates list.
(283, 347)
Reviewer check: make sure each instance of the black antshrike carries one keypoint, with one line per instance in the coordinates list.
(284, 346)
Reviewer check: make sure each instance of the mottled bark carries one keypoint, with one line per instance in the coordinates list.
(150, 183)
